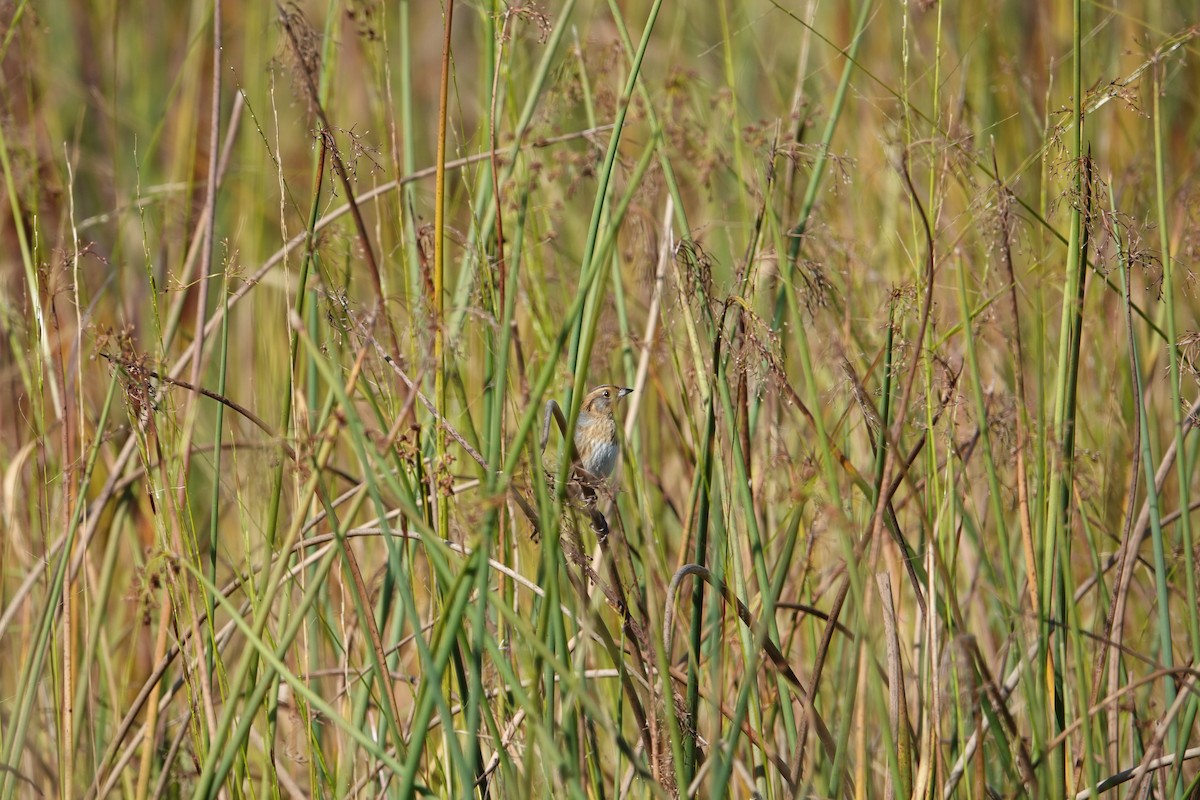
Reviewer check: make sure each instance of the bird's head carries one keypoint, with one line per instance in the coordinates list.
(601, 399)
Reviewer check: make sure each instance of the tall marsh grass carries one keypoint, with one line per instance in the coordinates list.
(906, 293)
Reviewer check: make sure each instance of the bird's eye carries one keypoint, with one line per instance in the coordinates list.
(606, 393)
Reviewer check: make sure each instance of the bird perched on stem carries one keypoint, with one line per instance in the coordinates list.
(596, 447)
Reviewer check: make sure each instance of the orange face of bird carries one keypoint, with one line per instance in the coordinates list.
(600, 399)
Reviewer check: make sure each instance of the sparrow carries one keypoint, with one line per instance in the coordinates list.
(596, 445)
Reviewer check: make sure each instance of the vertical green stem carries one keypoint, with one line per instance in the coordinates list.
(1166, 655)
(439, 260)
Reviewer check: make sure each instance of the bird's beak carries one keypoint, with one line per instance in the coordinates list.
(623, 392)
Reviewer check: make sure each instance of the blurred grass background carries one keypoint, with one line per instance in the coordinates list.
(906, 294)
